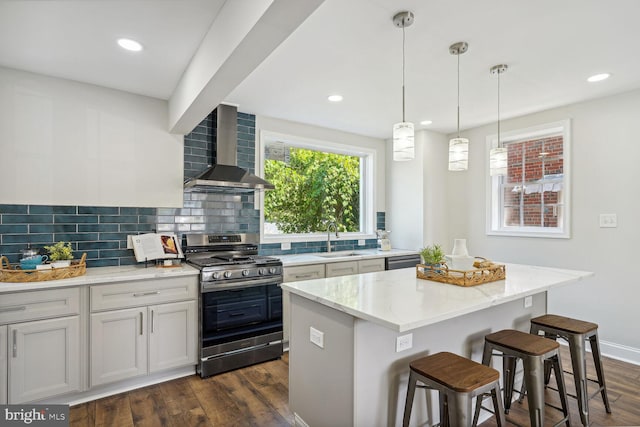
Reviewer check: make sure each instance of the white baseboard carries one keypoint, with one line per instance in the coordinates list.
(298, 421)
(620, 352)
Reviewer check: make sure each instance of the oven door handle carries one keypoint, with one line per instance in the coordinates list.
(242, 283)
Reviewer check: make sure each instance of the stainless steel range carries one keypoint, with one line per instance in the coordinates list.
(240, 304)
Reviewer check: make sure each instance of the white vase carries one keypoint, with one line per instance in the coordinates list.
(61, 264)
(460, 247)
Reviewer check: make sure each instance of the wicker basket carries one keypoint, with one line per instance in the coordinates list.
(474, 277)
(10, 274)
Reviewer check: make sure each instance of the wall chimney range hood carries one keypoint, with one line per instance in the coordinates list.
(225, 175)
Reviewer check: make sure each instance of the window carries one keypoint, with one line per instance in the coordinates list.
(316, 183)
(532, 199)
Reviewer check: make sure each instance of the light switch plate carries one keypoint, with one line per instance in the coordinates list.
(528, 301)
(608, 220)
(361, 242)
(404, 342)
(316, 337)
(285, 246)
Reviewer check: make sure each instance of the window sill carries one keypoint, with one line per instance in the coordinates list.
(535, 234)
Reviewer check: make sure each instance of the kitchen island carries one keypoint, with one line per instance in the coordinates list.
(356, 370)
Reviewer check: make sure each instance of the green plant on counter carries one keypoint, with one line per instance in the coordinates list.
(432, 255)
(60, 251)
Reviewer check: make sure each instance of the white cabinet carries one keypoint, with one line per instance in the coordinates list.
(303, 272)
(39, 344)
(370, 265)
(3, 365)
(44, 358)
(344, 268)
(130, 342)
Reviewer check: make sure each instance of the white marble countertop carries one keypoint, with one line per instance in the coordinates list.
(97, 275)
(398, 300)
(322, 258)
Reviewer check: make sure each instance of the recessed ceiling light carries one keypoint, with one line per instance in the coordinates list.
(129, 44)
(598, 77)
(426, 122)
(335, 98)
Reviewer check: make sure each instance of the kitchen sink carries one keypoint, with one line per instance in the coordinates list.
(338, 254)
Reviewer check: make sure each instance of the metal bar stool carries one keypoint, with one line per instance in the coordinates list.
(576, 332)
(536, 353)
(458, 380)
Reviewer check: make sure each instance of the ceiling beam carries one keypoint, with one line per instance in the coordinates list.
(243, 35)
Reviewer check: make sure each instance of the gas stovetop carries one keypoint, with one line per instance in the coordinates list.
(230, 258)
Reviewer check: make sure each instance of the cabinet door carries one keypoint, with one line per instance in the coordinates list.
(118, 345)
(44, 358)
(3, 365)
(345, 268)
(173, 335)
(370, 265)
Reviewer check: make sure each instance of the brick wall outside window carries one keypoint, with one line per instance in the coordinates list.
(533, 185)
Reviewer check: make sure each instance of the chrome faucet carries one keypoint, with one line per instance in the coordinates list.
(335, 227)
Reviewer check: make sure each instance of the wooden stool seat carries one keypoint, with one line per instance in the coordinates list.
(455, 372)
(522, 342)
(536, 353)
(567, 324)
(458, 381)
(576, 333)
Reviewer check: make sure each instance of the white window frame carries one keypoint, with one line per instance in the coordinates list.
(367, 194)
(494, 203)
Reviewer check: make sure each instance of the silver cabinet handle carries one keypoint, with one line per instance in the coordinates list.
(16, 308)
(15, 343)
(143, 294)
(304, 276)
(141, 325)
(152, 321)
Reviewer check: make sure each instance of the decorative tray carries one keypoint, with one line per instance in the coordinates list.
(9, 273)
(474, 277)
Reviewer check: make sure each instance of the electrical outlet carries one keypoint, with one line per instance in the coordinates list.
(404, 342)
(285, 246)
(316, 337)
(130, 241)
(528, 301)
(608, 220)
(361, 242)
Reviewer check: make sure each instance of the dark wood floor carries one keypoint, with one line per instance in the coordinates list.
(258, 396)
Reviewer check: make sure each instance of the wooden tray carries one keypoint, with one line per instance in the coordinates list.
(474, 277)
(10, 274)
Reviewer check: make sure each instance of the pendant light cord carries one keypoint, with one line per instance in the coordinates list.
(458, 55)
(499, 144)
(403, 41)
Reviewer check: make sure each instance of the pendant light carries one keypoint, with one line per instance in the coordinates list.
(403, 135)
(458, 147)
(498, 158)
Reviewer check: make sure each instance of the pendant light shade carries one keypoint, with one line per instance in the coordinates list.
(403, 133)
(458, 154)
(403, 145)
(458, 147)
(498, 156)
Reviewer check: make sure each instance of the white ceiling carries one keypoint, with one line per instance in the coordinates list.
(349, 47)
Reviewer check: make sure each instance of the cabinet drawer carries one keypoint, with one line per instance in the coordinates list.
(303, 272)
(346, 268)
(145, 292)
(370, 265)
(24, 306)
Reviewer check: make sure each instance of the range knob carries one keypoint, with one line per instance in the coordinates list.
(227, 274)
(245, 272)
(272, 270)
(261, 271)
(216, 275)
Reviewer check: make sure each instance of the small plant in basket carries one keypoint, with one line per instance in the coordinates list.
(60, 254)
(432, 256)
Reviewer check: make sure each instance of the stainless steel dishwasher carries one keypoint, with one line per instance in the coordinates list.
(401, 261)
